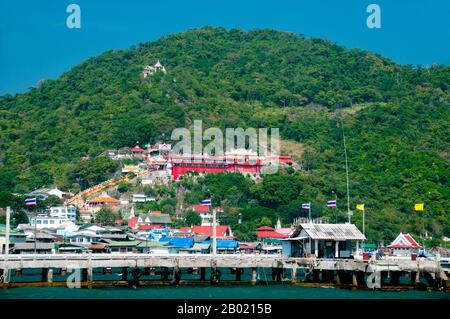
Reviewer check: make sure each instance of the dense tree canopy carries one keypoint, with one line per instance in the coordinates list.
(396, 120)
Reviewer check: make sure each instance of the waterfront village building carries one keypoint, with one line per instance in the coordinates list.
(142, 198)
(158, 177)
(31, 247)
(95, 204)
(45, 221)
(41, 236)
(157, 247)
(222, 231)
(68, 212)
(322, 240)
(267, 232)
(204, 213)
(404, 245)
(93, 228)
(84, 237)
(154, 219)
(14, 237)
(46, 192)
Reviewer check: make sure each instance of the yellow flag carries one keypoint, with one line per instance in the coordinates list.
(360, 206)
(418, 207)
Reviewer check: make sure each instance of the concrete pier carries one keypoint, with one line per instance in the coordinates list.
(342, 272)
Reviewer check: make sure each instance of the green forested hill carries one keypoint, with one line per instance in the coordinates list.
(396, 120)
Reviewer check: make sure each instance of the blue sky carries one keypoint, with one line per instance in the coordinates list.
(36, 44)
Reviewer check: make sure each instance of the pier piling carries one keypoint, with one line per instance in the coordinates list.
(203, 273)
(294, 275)
(354, 280)
(124, 273)
(279, 274)
(395, 278)
(176, 275)
(423, 275)
(165, 273)
(50, 275)
(338, 278)
(44, 274)
(5, 276)
(89, 277)
(254, 274)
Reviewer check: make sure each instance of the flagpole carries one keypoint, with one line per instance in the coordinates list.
(364, 230)
(214, 247)
(335, 212)
(35, 239)
(8, 216)
(346, 172)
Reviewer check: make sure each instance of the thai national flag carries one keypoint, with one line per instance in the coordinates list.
(306, 205)
(331, 203)
(30, 201)
(206, 202)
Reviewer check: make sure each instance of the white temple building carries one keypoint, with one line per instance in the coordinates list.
(151, 69)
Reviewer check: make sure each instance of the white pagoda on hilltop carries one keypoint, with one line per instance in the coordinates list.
(151, 69)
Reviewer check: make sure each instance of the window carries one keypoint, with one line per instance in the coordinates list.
(52, 221)
(45, 221)
(39, 222)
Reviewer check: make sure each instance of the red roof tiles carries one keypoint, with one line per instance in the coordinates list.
(200, 208)
(221, 231)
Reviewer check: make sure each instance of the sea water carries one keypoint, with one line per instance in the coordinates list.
(279, 291)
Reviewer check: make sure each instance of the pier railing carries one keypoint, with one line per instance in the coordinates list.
(208, 260)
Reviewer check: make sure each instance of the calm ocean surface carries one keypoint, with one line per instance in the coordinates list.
(205, 292)
(200, 291)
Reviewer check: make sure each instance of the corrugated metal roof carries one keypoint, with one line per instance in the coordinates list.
(114, 236)
(198, 246)
(178, 241)
(127, 243)
(330, 231)
(224, 244)
(12, 232)
(152, 244)
(30, 246)
(157, 218)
